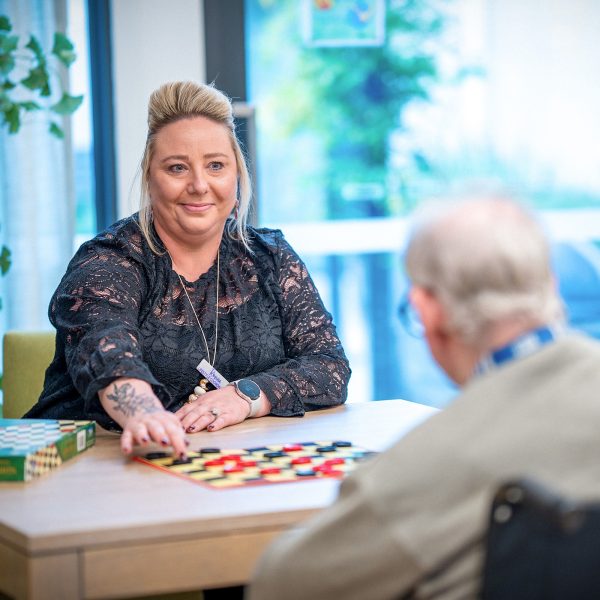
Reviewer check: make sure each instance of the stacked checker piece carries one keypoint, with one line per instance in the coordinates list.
(278, 463)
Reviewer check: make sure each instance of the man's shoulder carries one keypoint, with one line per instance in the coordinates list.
(562, 361)
(576, 343)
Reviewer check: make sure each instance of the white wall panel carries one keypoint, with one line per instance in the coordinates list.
(154, 41)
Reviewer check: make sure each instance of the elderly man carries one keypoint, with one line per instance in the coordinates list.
(411, 522)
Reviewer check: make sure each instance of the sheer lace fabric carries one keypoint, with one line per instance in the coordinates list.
(120, 311)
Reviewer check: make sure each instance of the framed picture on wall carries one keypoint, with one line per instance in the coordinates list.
(343, 22)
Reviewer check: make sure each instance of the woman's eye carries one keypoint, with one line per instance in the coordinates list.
(178, 168)
(215, 166)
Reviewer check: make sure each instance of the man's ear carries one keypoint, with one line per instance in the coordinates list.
(429, 309)
(445, 346)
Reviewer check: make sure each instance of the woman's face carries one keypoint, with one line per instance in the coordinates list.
(192, 180)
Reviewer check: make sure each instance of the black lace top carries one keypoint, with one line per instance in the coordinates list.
(120, 311)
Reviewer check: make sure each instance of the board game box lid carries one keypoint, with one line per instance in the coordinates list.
(32, 447)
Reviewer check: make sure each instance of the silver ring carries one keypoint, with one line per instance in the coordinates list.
(215, 412)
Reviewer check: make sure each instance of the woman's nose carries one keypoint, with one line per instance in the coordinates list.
(197, 184)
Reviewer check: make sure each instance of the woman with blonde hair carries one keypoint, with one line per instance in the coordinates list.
(182, 317)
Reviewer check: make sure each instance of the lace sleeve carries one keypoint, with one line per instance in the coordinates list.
(315, 373)
(95, 311)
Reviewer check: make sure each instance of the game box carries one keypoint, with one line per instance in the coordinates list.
(32, 447)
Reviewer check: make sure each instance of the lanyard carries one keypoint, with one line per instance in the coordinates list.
(523, 346)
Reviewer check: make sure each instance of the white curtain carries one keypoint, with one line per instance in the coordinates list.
(36, 189)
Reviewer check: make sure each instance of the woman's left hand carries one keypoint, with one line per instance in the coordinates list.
(214, 410)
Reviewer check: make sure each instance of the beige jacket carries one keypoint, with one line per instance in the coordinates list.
(410, 522)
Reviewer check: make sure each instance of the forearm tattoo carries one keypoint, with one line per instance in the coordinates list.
(130, 402)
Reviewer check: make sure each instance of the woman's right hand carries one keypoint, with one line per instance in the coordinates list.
(133, 404)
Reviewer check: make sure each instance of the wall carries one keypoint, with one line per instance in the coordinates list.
(153, 42)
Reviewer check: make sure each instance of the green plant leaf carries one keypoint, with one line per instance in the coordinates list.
(56, 131)
(30, 105)
(12, 118)
(7, 63)
(63, 49)
(67, 104)
(5, 261)
(36, 48)
(8, 43)
(37, 79)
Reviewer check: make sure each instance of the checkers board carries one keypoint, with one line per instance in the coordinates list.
(32, 447)
(277, 463)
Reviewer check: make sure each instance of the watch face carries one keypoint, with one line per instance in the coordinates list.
(249, 388)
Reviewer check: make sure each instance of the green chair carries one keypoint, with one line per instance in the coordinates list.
(27, 355)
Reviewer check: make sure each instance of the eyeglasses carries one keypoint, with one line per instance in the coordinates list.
(409, 318)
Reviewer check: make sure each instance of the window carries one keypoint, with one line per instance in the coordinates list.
(352, 136)
(41, 175)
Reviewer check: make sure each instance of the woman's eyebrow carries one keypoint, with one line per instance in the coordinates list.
(215, 154)
(186, 157)
(175, 157)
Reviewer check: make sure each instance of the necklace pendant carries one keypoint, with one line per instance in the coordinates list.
(206, 369)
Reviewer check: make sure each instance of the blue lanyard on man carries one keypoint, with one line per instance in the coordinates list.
(523, 346)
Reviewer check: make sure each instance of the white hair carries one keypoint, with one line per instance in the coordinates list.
(486, 260)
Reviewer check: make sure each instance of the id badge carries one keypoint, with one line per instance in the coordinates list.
(208, 371)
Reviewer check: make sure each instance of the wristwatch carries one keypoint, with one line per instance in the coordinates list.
(250, 392)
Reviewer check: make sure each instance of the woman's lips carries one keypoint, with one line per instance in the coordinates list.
(197, 208)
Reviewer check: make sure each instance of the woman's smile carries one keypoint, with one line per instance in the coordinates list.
(197, 207)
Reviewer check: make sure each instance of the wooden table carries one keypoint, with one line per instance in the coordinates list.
(104, 526)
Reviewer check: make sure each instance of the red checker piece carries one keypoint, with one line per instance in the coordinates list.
(301, 460)
(230, 457)
(334, 461)
(247, 463)
(292, 447)
(323, 469)
(332, 473)
(215, 462)
(270, 471)
(233, 469)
